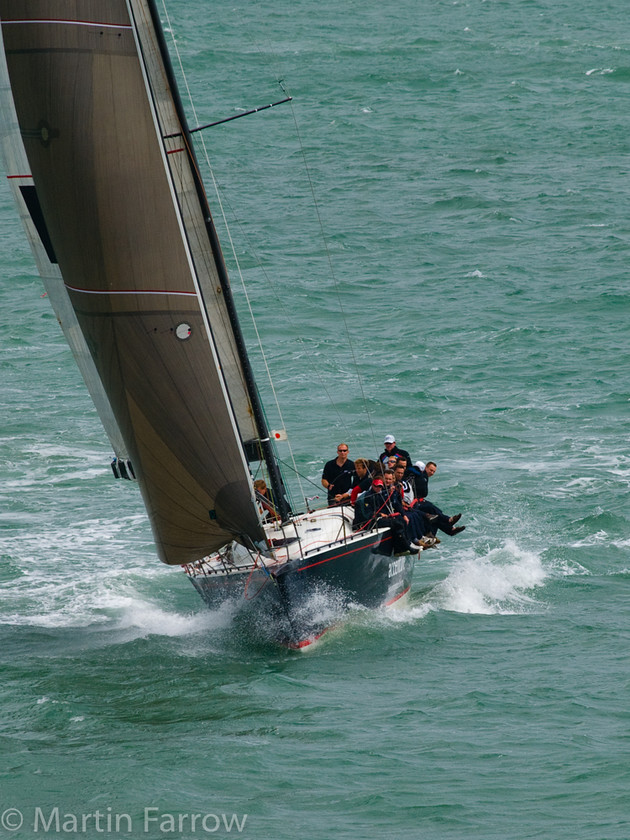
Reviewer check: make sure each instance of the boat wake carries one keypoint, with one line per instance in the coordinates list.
(506, 580)
(141, 619)
(502, 582)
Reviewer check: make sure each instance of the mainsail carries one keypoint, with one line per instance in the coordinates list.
(114, 177)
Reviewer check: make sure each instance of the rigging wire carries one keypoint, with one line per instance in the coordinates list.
(279, 80)
(221, 201)
(333, 275)
(227, 228)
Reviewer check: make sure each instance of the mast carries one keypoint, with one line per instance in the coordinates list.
(264, 439)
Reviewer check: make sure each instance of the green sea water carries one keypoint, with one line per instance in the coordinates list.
(435, 240)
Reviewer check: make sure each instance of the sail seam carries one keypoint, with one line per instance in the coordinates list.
(70, 22)
(128, 291)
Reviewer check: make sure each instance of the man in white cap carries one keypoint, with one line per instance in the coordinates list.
(391, 450)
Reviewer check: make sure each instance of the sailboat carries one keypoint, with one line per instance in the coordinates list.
(100, 158)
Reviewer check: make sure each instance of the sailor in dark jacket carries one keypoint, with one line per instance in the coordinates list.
(337, 476)
(420, 478)
(381, 507)
(391, 450)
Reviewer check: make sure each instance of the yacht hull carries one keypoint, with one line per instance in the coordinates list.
(299, 600)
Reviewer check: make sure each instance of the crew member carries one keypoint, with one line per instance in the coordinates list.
(393, 451)
(337, 476)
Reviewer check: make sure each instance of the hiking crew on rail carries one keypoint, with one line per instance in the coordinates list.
(389, 492)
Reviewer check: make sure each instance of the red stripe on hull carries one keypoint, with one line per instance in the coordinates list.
(398, 597)
(337, 556)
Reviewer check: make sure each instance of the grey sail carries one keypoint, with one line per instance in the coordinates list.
(113, 177)
(18, 173)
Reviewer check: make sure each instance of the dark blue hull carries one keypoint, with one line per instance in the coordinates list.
(307, 595)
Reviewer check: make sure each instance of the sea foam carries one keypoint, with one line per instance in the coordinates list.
(497, 583)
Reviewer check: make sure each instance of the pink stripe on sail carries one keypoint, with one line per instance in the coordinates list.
(128, 292)
(71, 22)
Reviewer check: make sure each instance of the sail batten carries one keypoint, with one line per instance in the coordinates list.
(136, 267)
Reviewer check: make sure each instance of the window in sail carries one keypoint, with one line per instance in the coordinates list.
(183, 331)
(34, 208)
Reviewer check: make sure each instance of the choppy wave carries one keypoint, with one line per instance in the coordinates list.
(502, 582)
